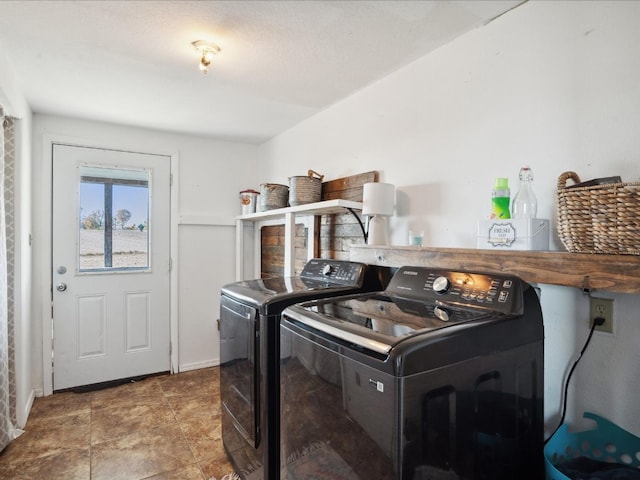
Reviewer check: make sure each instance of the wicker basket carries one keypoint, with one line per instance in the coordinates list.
(599, 219)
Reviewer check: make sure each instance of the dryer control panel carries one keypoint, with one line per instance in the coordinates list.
(334, 271)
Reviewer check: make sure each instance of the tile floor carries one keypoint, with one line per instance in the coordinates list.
(161, 428)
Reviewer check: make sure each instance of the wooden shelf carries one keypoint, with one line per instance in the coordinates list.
(613, 273)
(288, 217)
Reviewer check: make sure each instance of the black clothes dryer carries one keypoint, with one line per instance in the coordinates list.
(250, 313)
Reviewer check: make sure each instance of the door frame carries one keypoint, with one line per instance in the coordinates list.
(48, 140)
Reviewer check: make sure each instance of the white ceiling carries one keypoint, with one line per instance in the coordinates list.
(132, 63)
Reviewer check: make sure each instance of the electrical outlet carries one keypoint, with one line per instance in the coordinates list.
(603, 308)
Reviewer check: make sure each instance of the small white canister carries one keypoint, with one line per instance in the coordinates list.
(248, 201)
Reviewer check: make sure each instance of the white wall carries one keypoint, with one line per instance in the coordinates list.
(15, 105)
(555, 85)
(23, 270)
(211, 173)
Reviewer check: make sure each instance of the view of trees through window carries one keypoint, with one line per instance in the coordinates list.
(114, 220)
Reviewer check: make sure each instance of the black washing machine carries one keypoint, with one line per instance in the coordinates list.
(250, 313)
(439, 377)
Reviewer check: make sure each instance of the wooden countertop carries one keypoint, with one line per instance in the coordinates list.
(589, 272)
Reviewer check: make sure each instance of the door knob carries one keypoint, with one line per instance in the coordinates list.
(61, 287)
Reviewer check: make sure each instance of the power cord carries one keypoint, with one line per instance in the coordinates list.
(596, 323)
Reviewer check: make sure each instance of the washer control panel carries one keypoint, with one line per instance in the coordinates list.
(496, 292)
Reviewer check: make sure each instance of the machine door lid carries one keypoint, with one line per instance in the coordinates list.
(378, 321)
(335, 331)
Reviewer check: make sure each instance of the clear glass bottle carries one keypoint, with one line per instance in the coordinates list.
(524, 204)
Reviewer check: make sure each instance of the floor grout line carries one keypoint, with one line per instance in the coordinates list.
(186, 440)
(49, 427)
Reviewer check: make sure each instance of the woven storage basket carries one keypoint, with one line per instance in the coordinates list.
(305, 189)
(600, 218)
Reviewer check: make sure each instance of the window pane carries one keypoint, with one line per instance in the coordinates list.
(114, 219)
(130, 226)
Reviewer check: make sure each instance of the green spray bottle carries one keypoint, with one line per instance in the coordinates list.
(500, 198)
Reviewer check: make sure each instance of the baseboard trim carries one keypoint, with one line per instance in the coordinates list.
(22, 418)
(185, 367)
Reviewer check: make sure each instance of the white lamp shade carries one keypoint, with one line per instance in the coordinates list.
(378, 199)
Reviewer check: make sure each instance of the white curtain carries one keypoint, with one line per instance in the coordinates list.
(7, 373)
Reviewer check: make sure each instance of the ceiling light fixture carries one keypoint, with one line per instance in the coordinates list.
(206, 50)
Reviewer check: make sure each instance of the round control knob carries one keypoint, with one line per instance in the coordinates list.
(441, 313)
(441, 285)
(327, 269)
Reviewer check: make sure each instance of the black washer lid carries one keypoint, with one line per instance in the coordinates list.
(378, 321)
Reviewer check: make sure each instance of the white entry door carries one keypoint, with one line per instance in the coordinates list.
(111, 265)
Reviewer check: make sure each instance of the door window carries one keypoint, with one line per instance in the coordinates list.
(113, 231)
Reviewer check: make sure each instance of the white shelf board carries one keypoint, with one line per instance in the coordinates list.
(318, 208)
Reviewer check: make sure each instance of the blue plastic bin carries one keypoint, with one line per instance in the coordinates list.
(607, 442)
